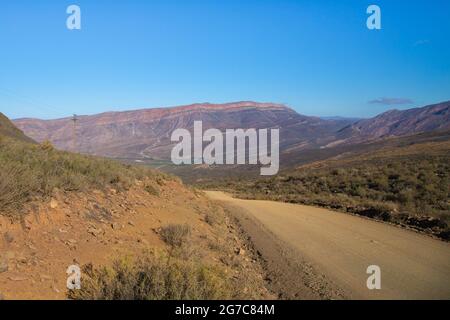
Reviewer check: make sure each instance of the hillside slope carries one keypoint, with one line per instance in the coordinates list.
(398, 123)
(59, 209)
(8, 129)
(106, 228)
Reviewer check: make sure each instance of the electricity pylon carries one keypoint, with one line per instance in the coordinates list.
(74, 136)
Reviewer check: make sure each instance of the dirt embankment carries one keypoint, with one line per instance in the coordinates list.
(80, 228)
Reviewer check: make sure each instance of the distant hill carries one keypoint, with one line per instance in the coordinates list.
(398, 123)
(145, 134)
(8, 129)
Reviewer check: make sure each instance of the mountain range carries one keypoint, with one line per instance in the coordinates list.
(145, 134)
(398, 123)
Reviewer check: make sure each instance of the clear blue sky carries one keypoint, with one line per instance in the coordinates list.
(316, 56)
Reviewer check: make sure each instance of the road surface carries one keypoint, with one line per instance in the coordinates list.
(342, 246)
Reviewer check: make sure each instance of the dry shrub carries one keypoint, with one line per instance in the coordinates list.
(153, 277)
(16, 185)
(152, 189)
(175, 235)
(214, 218)
(36, 170)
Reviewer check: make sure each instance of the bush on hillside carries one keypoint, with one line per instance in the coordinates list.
(153, 277)
(175, 235)
(28, 170)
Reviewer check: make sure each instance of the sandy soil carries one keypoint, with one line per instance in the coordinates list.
(339, 247)
(101, 226)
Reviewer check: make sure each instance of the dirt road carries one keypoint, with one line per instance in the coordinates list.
(341, 247)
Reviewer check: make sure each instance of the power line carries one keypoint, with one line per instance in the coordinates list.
(29, 101)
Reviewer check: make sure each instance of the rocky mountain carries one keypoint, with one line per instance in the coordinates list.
(8, 129)
(145, 134)
(397, 123)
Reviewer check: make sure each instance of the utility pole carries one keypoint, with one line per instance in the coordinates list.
(74, 137)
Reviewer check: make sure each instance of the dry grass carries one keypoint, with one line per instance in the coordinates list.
(214, 218)
(153, 277)
(28, 170)
(152, 189)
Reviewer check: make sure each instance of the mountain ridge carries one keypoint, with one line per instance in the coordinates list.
(205, 106)
(145, 133)
(398, 123)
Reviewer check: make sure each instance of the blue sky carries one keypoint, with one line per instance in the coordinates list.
(316, 56)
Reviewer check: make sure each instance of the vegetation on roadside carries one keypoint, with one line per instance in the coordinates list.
(184, 272)
(35, 170)
(396, 186)
(154, 277)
